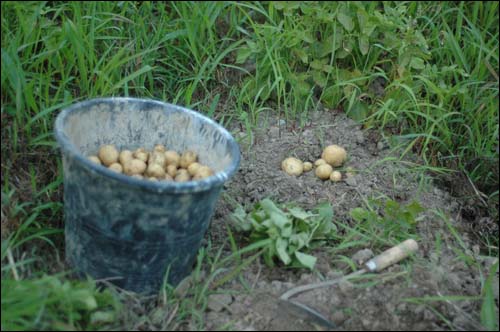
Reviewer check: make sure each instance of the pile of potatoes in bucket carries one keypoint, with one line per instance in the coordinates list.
(332, 156)
(156, 165)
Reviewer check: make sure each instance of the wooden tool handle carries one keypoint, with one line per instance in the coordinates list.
(392, 255)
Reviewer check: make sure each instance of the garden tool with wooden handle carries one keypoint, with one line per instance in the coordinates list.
(376, 264)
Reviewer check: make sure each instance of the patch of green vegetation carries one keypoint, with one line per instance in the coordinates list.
(392, 222)
(291, 230)
(48, 304)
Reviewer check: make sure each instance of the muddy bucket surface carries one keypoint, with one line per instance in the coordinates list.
(132, 231)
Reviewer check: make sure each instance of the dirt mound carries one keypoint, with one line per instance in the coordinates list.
(392, 301)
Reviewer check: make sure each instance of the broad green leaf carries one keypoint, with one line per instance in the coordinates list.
(286, 5)
(364, 44)
(342, 54)
(358, 112)
(362, 18)
(325, 211)
(259, 216)
(345, 19)
(238, 217)
(318, 64)
(305, 259)
(368, 28)
(281, 246)
(299, 213)
(301, 54)
(305, 36)
(299, 240)
(417, 63)
(327, 69)
(319, 78)
(278, 217)
(243, 54)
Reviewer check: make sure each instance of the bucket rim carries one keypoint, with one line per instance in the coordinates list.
(216, 180)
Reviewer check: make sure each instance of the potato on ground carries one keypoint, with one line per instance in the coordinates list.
(323, 171)
(334, 155)
(292, 166)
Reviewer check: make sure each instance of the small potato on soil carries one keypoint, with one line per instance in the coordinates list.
(134, 167)
(307, 166)
(292, 166)
(187, 158)
(172, 158)
(334, 155)
(116, 167)
(323, 171)
(95, 159)
(319, 162)
(336, 176)
(108, 154)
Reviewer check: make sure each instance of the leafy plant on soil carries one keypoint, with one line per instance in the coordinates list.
(392, 222)
(48, 303)
(291, 229)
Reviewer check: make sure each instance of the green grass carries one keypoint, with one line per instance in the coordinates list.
(234, 61)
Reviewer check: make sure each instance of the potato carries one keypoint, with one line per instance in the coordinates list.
(187, 158)
(172, 158)
(168, 177)
(323, 171)
(152, 178)
(307, 166)
(193, 168)
(95, 159)
(203, 172)
(292, 166)
(134, 167)
(116, 167)
(182, 176)
(157, 157)
(155, 170)
(172, 170)
(336, 176)
(319, 162)
(141, 154)
(334, 155)
(159, 148)
(108, 154)
(125, 156)
(138, 176)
